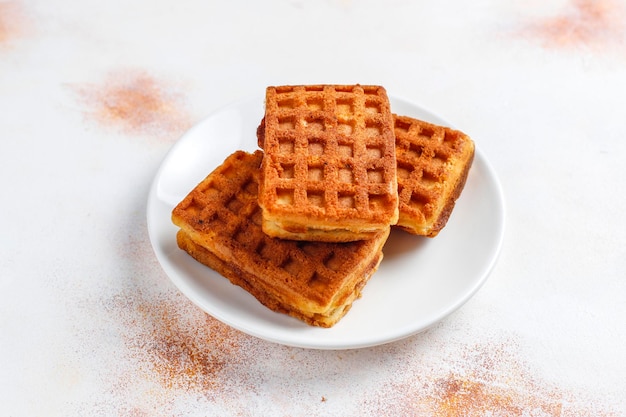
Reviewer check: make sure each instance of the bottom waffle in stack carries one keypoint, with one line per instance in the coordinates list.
(220, 226)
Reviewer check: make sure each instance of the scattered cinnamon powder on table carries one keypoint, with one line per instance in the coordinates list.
(588, 23)
(175, 344)
(11, 21)
(461, 396)
(483, 380)
(136, 103)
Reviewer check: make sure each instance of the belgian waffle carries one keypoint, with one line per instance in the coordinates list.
(220, 222)
(329, 171)
(433, 164)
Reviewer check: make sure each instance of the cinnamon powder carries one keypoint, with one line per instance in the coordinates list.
(175, 344)
(461, 396)
(581, 23)
(136, 102)
(484, 380)
(11, 21)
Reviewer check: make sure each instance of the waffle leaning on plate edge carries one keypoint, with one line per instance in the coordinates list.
(301, 224)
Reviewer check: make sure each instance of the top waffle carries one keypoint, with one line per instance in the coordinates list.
(220, 223)
(329, 171)
(433, 163)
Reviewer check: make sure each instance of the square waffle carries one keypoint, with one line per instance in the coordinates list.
(220, 226)
(433, 163)
(329, 171)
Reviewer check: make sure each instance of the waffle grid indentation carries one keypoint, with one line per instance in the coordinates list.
(348, 165)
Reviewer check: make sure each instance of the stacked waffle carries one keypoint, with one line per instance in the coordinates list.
(301, 224)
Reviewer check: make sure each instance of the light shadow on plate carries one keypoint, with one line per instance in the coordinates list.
(401, 243)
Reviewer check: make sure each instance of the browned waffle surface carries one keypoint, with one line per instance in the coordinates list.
(221, 227)
(329, 171)
(433, 164)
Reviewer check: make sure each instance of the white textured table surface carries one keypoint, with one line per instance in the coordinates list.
(94, 94)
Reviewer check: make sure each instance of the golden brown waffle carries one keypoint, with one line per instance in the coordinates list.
(329, 172)
(220, 222)
(433, 163)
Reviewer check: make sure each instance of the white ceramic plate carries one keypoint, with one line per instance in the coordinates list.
(419, 282)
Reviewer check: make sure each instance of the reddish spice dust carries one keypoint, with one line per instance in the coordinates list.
(175, 344)
(457, 396)
(482, 381)
(583, 23)
(11, 22)
(462, 396)
(136, 103)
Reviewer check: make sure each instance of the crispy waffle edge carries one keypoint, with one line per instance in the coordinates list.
(238, 277)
